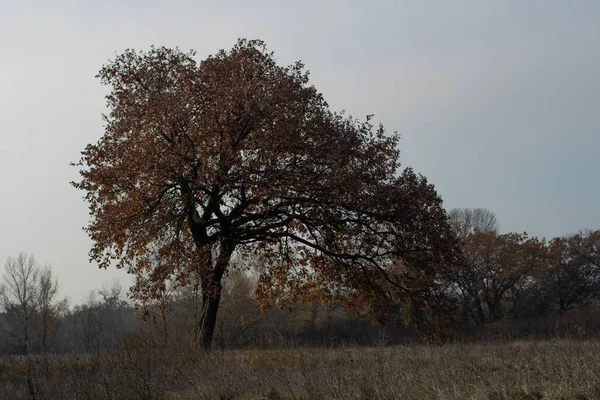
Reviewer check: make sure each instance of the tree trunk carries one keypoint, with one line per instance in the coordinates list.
(480, 312)
(211, 294)
(209, 319)
(495, 309)
(562, 305)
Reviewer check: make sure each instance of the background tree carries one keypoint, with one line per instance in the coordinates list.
(468, 220)
(238, 154)
(100, 322)
(49, 308)
(494, 266)
(88, 325)
(19, 295)
(240, 313)
(574, 273)
(29, 297)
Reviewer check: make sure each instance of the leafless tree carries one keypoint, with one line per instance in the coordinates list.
(50, 309)
(29, 297)
(468, 220)
(100, 321)
(19, 297)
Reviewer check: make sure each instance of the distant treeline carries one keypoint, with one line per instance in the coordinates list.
(508, 286)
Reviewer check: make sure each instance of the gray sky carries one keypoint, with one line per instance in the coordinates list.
(498, 102)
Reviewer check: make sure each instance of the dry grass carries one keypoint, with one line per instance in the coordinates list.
(520, 370)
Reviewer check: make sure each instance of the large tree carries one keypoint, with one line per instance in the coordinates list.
(238, 154)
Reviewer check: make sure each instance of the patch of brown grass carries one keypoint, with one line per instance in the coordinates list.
(519, 370)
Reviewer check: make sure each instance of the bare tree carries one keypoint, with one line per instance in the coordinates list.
(468, 220)
(29, 297)
(88, 326)
(102, 319)
(19, 297)
(49, 308)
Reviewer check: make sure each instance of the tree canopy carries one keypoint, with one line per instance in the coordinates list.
(235, 153)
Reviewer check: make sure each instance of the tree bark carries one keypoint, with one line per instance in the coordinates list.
(480, 311)
(562, 305)
(209, 319)
(211, 294)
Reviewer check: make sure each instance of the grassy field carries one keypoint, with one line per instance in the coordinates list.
(519, 370)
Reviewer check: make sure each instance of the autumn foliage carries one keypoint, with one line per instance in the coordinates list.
(238, 154)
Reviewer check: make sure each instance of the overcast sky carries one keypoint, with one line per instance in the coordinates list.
(497, 102)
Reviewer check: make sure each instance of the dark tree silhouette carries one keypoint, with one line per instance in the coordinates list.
(238, 154)
(574, 275)
(495, 265)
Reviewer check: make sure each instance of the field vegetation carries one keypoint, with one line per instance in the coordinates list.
(555, 369)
